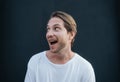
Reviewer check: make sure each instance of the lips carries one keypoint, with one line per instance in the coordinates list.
(52, 42)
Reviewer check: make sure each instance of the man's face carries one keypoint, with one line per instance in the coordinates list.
(57, 36)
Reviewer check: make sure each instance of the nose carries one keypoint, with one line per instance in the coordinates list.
(49, 33)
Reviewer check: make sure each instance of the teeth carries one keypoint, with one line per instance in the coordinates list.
(53, 42)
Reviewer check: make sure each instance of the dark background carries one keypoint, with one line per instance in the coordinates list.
(22, 34)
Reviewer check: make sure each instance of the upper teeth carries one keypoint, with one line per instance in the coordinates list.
(53, 42)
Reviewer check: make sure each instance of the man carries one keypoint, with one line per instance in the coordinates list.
(59, 63)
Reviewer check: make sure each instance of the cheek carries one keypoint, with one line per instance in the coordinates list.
(65, 36)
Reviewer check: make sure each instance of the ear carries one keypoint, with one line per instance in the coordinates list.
(72, 35)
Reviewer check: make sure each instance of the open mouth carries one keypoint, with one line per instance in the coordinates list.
(53, 42)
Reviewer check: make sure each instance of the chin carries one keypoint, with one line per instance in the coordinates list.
(54, 51)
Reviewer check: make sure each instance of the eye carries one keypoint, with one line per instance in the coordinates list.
(57, 28)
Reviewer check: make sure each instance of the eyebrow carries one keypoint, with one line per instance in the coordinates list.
(54, 25)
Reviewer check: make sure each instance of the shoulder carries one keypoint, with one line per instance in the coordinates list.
(85, 64)
(86, 68)
(34, 60)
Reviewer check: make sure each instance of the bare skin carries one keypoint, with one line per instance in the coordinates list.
(59, 59)
(59, 41)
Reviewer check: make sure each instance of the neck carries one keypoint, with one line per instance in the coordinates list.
(61, 57)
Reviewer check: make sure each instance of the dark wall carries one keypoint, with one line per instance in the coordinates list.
(22, 34)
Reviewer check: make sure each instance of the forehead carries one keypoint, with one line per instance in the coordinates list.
(55, 21)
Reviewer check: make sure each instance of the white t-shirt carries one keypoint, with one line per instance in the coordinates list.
(40, 69)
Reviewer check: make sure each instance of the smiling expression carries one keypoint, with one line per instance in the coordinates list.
(57, 36)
